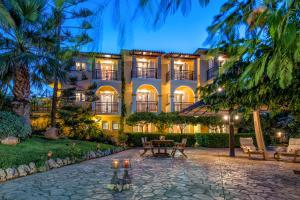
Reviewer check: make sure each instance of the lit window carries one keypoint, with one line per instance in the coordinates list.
(80, 96)
(80, 66)
(105, 125)
(115, 125)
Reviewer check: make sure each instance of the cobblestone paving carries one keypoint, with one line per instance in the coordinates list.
(206, 174)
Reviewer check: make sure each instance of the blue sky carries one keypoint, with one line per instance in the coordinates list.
(178, 34)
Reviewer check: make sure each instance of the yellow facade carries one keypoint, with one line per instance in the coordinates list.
(154, 82)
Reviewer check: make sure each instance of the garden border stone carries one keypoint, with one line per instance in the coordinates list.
(25, 170)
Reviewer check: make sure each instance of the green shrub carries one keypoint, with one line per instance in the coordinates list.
(221, 140)
(13, 125)
(134, 139)
(36, 148)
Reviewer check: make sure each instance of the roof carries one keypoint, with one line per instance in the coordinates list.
(182, 55)
(101, 55)
(201, 51)
(200, 108)
(145, 52)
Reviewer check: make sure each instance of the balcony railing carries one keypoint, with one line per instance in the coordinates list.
(179, 106)
(181, 75)
(40, 107)
(145, 73)
(147, 106)
(106, 107)
(106, 74)
(212, 73)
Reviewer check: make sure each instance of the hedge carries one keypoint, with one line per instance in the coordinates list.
(221, 140)
(134, 139)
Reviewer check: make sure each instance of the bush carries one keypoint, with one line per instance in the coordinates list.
(221, 140)
(13, 125)
(134, 139)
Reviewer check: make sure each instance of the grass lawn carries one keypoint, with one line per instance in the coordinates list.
(35, 150)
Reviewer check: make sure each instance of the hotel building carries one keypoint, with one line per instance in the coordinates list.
(154, 82)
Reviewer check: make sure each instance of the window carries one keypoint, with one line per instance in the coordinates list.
(80, 96)
(105, 125)
(115, 125)
(80, 66)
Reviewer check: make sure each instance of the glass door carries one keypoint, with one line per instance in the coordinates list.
(107, 71)
(106, 102)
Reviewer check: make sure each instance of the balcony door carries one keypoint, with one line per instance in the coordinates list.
(108, 71)
(146, 96)
(146, 101)
(146, 69)
(179, 98)
(107, 100)
(180, 67)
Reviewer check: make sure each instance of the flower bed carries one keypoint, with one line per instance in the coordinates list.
(37, 154)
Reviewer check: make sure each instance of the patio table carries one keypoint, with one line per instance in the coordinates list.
(162, 144)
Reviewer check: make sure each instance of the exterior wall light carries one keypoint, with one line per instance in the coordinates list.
(225, 117)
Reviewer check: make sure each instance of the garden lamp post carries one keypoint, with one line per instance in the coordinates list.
(230, 119)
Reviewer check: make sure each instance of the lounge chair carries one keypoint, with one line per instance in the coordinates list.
(179, 147)
(147, 146)
(248, 147)
(293, 150)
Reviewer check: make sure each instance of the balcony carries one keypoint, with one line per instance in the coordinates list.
(106, 107)
(145, 73)
(179, 106)
(40, 107)
(109, 75)
(181, 75)
(212, 73)
(147, 106)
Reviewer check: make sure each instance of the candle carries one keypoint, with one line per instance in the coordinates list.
(126, 163)
(115, 164)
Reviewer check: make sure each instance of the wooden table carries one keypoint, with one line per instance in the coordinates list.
(162, 144)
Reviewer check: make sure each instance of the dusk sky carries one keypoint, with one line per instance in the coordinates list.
(179, 33)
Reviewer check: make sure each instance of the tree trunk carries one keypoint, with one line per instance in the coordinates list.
(258, 132)
(54, 103)
(21, 92)
(231, 138)
(231, 135)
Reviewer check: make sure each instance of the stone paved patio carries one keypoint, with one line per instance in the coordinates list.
(206, 174)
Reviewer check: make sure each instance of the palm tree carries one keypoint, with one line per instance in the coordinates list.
(265, 34)
(66, 42)
(20, 40)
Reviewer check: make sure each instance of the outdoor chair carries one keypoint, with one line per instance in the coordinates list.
(248, 147)
(179, 147)
(147, 146)
(293, 150)
(162, 137)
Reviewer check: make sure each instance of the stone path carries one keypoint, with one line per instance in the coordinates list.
(206, 174)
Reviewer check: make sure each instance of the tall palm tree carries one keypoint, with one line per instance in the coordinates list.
(66, 41)
(20, 40)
